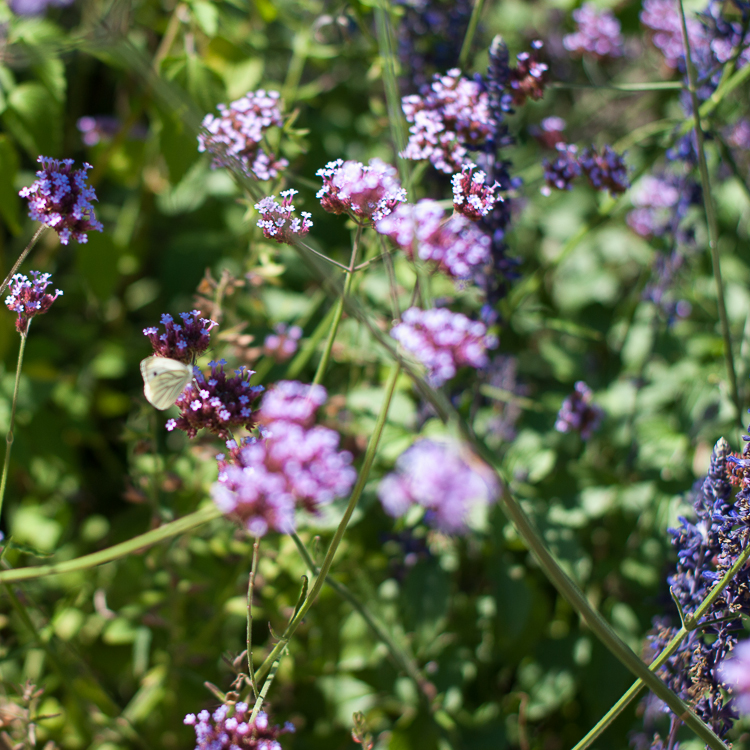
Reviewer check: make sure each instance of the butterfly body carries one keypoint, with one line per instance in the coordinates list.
(164, 380)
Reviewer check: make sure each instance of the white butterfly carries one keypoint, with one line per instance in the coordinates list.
(164, 380)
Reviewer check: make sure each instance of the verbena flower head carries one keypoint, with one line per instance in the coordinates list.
(234, 136)
(472, 197)
(445, 480)
(293, 465)
(366, 193)
(549, 132)
(277, 220)
(61, 199)
(448, 118)
(735, 674)
(561, 172)
(443, 341)
(662, 17)
(185, 340)
(597, 33)
(456, 245)
(230, 728)
(28, 298)
(528, 78)
(578, 414)
(218, 404)
(282, 344)
(605, 170)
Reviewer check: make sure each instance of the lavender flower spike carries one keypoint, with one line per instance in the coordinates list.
(29, 298)
(578, 414)
(61, 199)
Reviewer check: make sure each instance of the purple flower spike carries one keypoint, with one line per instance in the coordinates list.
(367, 193)
(234, 136)
(443, 341)
(218, 404)
(443, 479)
(578, 414)
(597, 34)
(456, 246)
(29, 298)
(230, 727)
(605, 170)
(61, 199)
(184, 341)
(735, 673)
(471, 197)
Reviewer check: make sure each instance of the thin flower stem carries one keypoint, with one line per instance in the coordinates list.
(323, 256)
(690, 624)
(168, 530)
(713, 229)
(22, 257)
(471, 30)
(250, 585)
(398, 654)
(633, 88)
(364, 473)
(264, 691)
(323, 365)
(9, 436)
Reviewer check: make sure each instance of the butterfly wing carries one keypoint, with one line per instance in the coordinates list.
(164, 380)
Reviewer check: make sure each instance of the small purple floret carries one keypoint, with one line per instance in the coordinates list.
(28, 298)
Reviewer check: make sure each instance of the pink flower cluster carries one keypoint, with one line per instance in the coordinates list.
(366, 193)
(445, 480)
(653, 199)
(293, 465)
(61, 199)
(471, 196)
(230, 728)
(218, 404)
(449, 117)
(277, 220)
(28, 298)
(234, 136)
(456, 246)
(662, 17)
(282, 344)
(598, 33)
(183, 341)
(443, 341)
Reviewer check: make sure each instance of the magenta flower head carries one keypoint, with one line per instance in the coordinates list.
(218, 404)
(734, 672)
(29, 298)
(277, 220)
(443, 341)
(234, 136)
(578, 414)
(282, 344)
(366, 193)
(597, 34)
(230, 727)
(443, 478)
(184, 341)
(293, 465)
(471, 197)
(456, 246)
(61, 199)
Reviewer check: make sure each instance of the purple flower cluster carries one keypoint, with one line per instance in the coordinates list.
(472, 197)
(183, 341)
(662, 17)
(94, 129)
(277, 220)
(293, 465)
(443, 341)
(35, 7)
(561, 172)
(282, 344)
(739, 135)
(661, 202)
(230, 728)
(446, 480)
(528, 78)
(457, 246)
(578, 414)
(605, 170)
(735, 673)
(234, 136)
(549, 132)
(598, 33)
(366, 193)
(28, 298)
(449, 118)
(218, 404)
(61, 199)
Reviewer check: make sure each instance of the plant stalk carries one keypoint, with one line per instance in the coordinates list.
(249, 639)
(22, 257)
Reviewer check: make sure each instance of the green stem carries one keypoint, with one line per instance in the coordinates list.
(308, 348)
(264, 691)
(22, 257)
(471, 30)
(168, 530)
(250, 584)
(398, 654)
(713, 229)
(631, 87)
(364, 473)
(323, 365)
(9, 436)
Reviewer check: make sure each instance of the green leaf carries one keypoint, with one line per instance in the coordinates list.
(10, 203)
(206, 16)
(35, 119)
